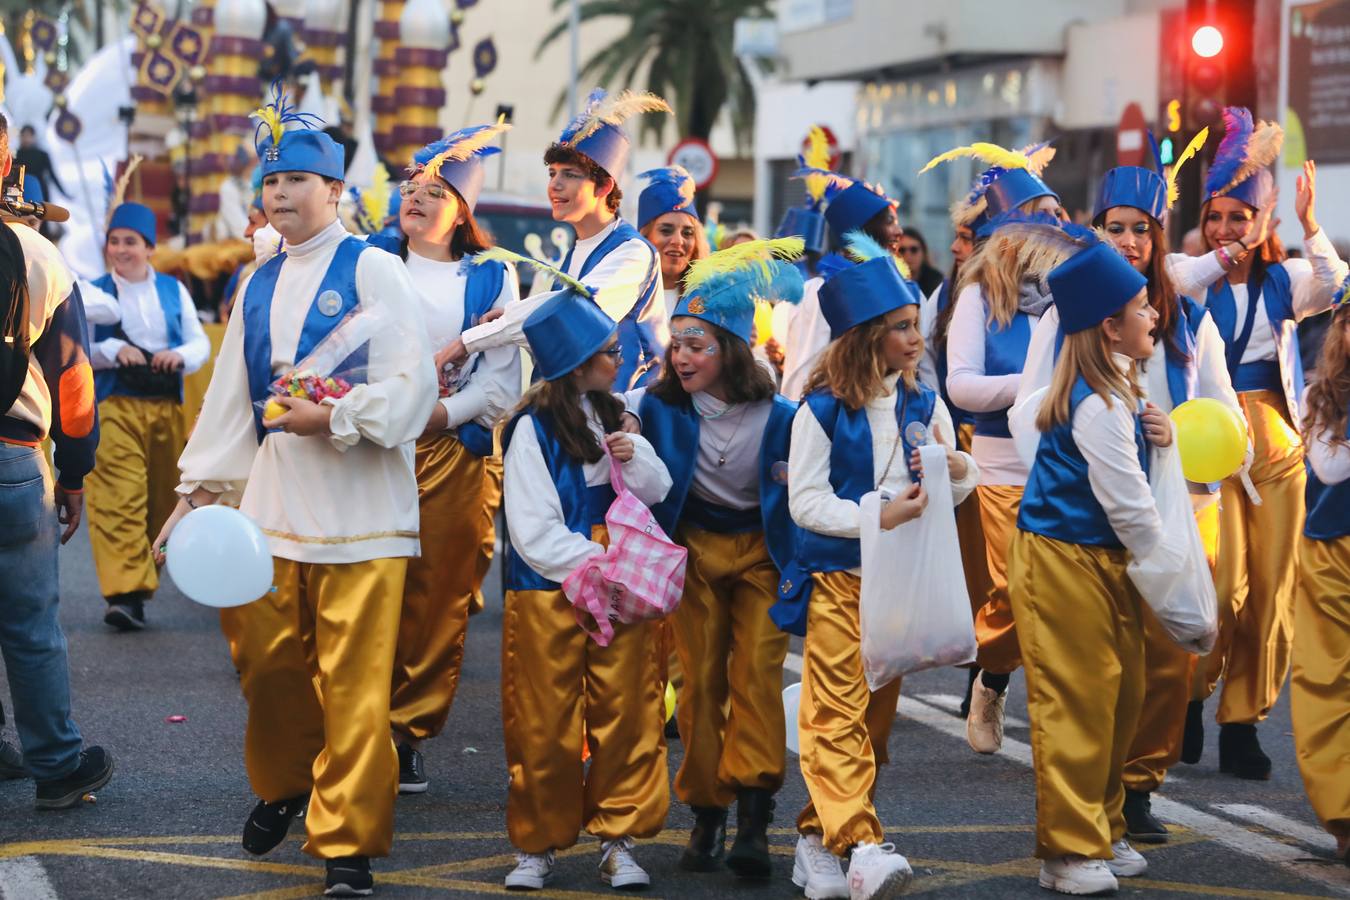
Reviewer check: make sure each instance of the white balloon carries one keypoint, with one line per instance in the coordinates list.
(792, 695)
(219, 557)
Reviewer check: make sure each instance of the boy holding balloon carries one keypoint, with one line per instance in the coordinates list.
(332, 486)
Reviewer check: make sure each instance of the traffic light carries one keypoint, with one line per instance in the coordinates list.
(1206, 77)
(1216, 49)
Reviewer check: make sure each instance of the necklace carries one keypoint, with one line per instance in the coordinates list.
(722, 455)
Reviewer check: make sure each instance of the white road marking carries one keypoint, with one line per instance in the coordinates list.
(1304, 834)
(23, 878)
(952, 703)
(1292, 859)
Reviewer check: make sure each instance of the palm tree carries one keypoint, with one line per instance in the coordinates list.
(686, 47)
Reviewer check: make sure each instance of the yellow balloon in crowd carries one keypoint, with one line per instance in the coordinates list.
(1211, 438)
(763, 322)
(670, 700)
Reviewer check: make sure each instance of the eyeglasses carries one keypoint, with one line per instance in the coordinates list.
(434, 191)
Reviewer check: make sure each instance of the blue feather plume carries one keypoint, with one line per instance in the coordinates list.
(579, 121)
(1228, 159)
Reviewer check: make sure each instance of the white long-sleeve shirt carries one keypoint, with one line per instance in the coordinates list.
(812, 500)
(1104, 433)
(534, 512)
(808, 334)
(494, 387)
(618, 280)
(49, 284)
(928, 313)
(142, 320)
(348, 497)
(971, 389)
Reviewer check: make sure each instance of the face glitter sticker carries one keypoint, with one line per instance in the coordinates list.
(691, 331)
(330, 303)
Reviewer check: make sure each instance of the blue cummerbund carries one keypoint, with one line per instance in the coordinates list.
(599, 498)
(1258, 376)
(720, 519)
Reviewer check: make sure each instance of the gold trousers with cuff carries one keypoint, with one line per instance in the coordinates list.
(730, 711)
(315, 657)
(130, 492)
(1256, 575)
(1079, 623)
(970, 534)
(994, 627)
(560, 688)
(1168, 673)
(440, 586)
(491, 502)
(1319, 692)
(842, 726)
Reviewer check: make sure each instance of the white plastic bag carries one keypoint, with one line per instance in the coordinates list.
(914, 612)
(1174, 579)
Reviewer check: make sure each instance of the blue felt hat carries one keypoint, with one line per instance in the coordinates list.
(598, 131)
(853, 208)
(671, 190)
(805, 223)
(853, 295)
(1241, 167)
(1092, 286)
(1013, 188)
(32, 190)
(290, 141)
(1133, 186)
(722, 289)
(457, 159)
(564, 331)
(138, 218)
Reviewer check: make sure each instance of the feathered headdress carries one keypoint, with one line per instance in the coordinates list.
(117, 191)
(817, 156)
(560, 278)
(966, 210)
(371, 205)
(274, 118)
(676, 177)
(457, 147)
(860, 246)
(605, 109)
(752, 261)
(1247, 148)
(724, 288)
(1174, 192)
(827, 184)
(1342, 294)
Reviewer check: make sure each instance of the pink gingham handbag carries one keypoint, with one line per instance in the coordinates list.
(640, 576)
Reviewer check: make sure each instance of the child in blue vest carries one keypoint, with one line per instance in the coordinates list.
(1087, 509)
(139, 363)
(562, 693)
(858, 430)
(331, 485)
(440, 232)
(1319, 691)
(717, 424)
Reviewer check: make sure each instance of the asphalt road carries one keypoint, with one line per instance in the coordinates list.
(168, 824)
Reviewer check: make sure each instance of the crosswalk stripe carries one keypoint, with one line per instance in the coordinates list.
(1266, 818)
(24, 878)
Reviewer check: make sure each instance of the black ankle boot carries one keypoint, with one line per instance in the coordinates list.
(1193, 738)
(1240, 753)
(749, 856)
(707, 841)
(1140, 824)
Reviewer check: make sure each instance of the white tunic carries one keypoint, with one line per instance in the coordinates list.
(534, 513)
(49, 283)
(348, 497)
(1330, 462)
(142, 320)
(808, 334)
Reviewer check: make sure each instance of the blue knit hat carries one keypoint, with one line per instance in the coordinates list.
(722, 289)
(598, 130)
(671, 190)
(457, 159)
(854, 294)
(290, 141)
(136, 217)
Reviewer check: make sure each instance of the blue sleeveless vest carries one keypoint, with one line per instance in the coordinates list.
(583, 507)
(1058, 501)
(642, 348)
(1183, 377)
(106, 382)
(959, 416)
(1328, 507)
(1276, 290)
(340, 277)
(1005, 353)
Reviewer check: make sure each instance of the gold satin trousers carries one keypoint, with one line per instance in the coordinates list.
(730, 709)
(315, 657)
(1082, 637)
(995, 630)
(130, 492)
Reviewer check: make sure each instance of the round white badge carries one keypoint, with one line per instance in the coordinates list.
(330, 303)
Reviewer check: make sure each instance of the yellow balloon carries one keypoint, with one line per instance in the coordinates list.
(1211, 438)
(763, 322)
(670, 700)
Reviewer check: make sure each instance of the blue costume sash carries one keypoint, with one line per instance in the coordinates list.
(1058, 501)
(1005, 353)
(636, 333)
(340, 278)
(1275, 289)
(1183, 376)
(583, 507)
(1328, 506)
(169, 292)
(959, 415)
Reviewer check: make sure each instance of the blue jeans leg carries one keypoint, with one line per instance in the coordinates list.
(31, 640)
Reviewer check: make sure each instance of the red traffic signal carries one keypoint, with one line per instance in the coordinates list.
(1207, 41)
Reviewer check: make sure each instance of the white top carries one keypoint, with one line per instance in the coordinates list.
(143, 321)
(49, 283)
(349, 497)
(808, 334)
(494, 387)
(534, 513)
(928, 313)
(1330, 462)
(618, 280)
(976, 392)
(672, 300)
(1104, 433)
(811, 499)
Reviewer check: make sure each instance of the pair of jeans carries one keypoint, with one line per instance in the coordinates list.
(31, 640)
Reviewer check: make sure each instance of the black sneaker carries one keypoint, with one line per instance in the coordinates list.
(268, 823)
(348, 876)
(1140, 824)
(1193, 738)
(11, 762)
(126, 612)
(412, 774)
(94, 771)
(1240, 753)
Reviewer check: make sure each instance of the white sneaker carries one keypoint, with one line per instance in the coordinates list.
(877, 872)
(618, 869)
(984, 724)
(532, 872)
(1128, 863)
(817, 871)
(1077, 875)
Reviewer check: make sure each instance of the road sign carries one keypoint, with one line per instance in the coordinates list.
(697, 158)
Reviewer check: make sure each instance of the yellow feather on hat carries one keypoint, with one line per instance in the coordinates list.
(990, 154)
(745, 255)
(614, 109)
(1173, 191)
